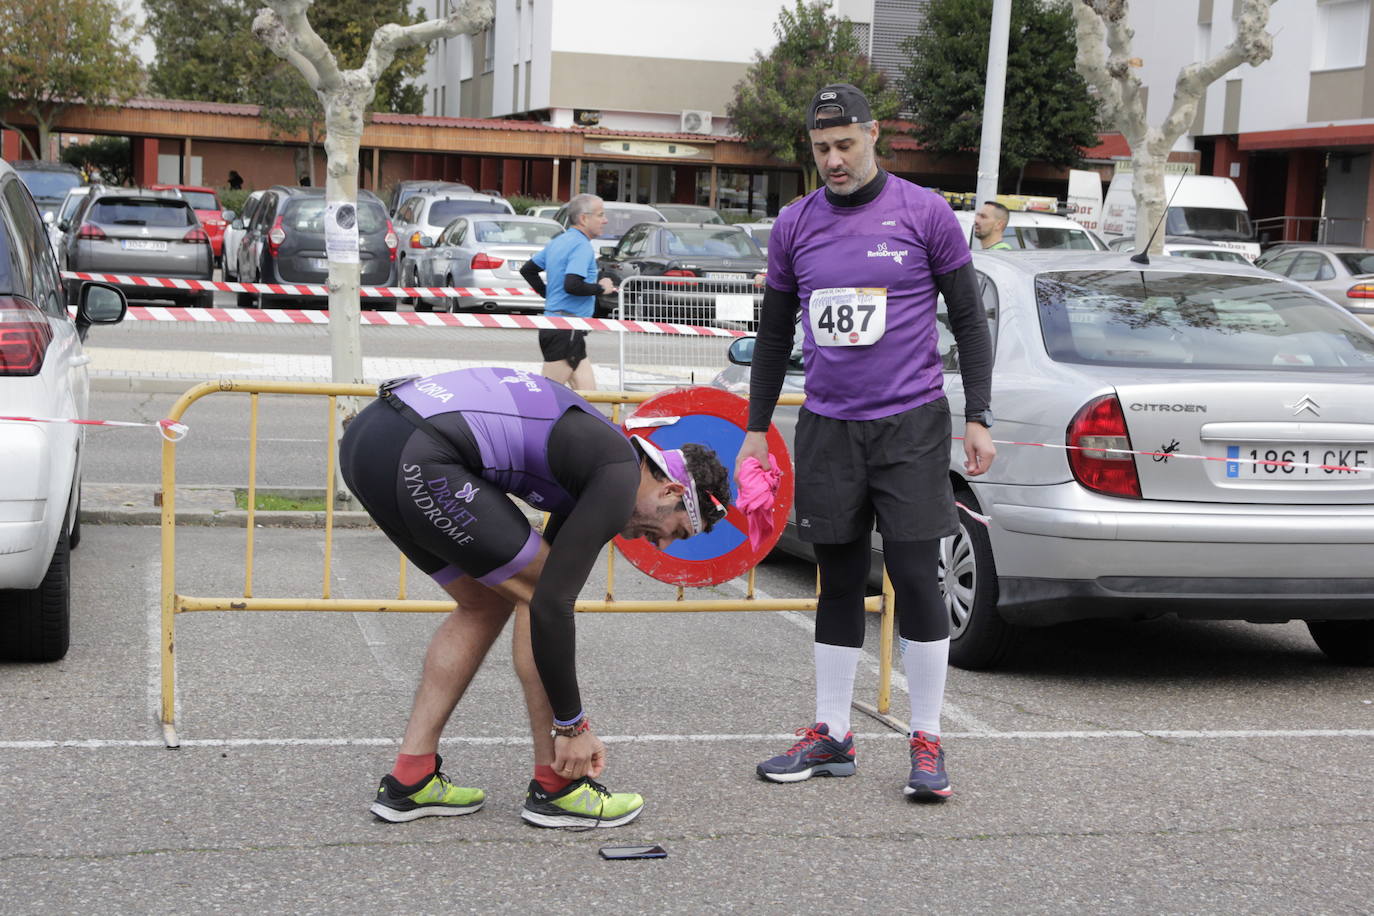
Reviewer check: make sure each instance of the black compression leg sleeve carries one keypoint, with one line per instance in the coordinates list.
(921, 613)
(844, 575)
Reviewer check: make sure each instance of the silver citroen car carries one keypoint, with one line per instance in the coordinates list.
(1245, 400)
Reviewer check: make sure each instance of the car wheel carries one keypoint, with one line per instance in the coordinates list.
(979, 637)
(39, 619)
(203, 300)
(245, 300)
(1349, 642)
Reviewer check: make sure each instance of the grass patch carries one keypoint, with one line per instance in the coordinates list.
(271, 502)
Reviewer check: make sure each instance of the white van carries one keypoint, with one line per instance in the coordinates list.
(1201, 206)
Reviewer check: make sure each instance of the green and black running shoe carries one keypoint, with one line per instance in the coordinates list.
(584, 803)
(435, 796)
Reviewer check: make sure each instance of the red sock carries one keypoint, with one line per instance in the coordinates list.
(411, 768)
(549, 780)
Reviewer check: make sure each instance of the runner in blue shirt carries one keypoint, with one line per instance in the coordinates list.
(570, 262)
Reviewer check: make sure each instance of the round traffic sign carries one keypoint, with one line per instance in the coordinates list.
(717, 420)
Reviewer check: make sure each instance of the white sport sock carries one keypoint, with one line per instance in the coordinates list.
(926, 664)
(835, 667)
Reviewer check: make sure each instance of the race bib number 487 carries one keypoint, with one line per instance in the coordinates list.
(848, 316)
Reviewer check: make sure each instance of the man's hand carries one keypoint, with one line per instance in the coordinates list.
(584, 755)
(755, 445)
(978, 449)
(607, 285)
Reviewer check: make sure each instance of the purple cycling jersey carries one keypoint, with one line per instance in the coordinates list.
(511, 413)
(899, 243)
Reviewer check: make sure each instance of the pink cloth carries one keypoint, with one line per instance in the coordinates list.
(757, 488)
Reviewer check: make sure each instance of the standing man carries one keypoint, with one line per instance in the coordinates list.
(570, 263)
(432, 460)
(988, 225)
(863, 259)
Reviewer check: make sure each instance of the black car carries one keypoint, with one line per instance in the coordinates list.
(692, 266)
(48, 182)
(284, 243)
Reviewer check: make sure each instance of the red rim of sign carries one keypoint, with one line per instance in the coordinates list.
(713, 402)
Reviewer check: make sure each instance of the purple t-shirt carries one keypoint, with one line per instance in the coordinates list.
(899, 242)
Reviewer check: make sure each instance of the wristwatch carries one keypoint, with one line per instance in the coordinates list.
(982, 417)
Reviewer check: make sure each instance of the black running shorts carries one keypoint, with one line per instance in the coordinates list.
(563, 346)
(421, 492)
(896, 467)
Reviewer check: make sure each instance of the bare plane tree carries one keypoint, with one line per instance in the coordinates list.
(284, 26)
(1105, 60)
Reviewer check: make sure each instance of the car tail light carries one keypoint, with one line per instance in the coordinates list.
(90, 231)
(196, 234)
(486, 262)
(1361, 291)
(415, 239)
(391, 240)
(1100, 424)
(679, 272)
(24, 337)
(275, 237)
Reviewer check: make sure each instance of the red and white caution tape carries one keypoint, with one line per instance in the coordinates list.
(303, 289)
(1165, 456)
(424, 319)
(171, 430)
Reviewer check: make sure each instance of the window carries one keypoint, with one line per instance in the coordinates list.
(488, 50)
(1358, 262)
(1308, 267)
(1202, 321)
(123, 211)
(1338, 36)
(1280, 264)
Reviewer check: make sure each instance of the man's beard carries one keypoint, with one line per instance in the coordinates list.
(863, 168)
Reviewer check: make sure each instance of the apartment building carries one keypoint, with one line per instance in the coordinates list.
(1297, 132)
(637, 68)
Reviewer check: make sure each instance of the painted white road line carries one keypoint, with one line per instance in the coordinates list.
(1210, 734)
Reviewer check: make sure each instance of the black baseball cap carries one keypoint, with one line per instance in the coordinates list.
(837, 105)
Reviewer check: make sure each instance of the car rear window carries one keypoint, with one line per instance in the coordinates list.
(723, 243)
(1049, 237)
(49, 184)
(618, 221)
(307, 215)
(1157, 319)
(513, 232)
(201, 200)
(1357, 262)
(123, 211)
(6, 266)
(443, 212)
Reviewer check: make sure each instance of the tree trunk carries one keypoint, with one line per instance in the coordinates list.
(1147, 185)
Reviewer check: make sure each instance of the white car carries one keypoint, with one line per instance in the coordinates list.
(61, 222)
(42, 374)
(1032, 230)
(233, 234)
(760, 230)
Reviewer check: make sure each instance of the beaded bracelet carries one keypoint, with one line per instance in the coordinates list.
(584, 723)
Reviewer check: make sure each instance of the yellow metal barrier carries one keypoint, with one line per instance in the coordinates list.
(174, 603)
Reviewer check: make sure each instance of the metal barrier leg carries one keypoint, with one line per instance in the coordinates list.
(168, 632)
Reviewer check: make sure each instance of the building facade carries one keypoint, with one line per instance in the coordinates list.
(650, 67)
(1295, 133)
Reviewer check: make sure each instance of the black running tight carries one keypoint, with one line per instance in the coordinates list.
(921, 614)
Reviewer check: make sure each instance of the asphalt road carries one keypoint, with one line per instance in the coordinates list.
(1154, 767)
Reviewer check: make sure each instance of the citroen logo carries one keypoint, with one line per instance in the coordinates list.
(1305, 403)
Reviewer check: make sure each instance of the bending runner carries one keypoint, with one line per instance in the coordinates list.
(432, 461)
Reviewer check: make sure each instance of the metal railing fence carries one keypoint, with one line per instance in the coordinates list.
(174, 602)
